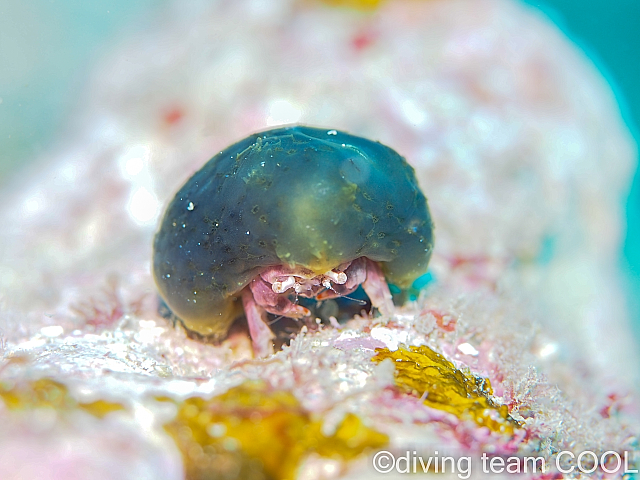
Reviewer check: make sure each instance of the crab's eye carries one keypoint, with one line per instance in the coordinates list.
(296, 196)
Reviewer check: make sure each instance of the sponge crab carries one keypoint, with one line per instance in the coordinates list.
(287, 213)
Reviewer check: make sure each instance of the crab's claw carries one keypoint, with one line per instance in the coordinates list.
(367, 273)
(273, 302)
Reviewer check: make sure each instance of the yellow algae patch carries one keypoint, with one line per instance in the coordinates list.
(100, 408)
(357, 4)
(425, 373)
(47, 393)
(254, 432)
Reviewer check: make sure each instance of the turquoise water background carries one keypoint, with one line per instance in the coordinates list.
(48, 47)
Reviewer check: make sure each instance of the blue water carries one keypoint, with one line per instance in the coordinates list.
(47, 49)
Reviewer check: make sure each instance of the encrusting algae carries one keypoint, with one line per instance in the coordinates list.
(425, 373)
(254, 432)
(364, 5)
(250, 432)
(47, 393)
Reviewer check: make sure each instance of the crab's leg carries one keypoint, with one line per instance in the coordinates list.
(261, 334)
(376, 288)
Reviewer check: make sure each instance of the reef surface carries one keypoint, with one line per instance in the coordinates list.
(519, 344)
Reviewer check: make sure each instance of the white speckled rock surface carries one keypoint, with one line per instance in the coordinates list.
(516, 141)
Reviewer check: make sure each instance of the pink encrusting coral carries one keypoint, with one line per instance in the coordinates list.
(516, 142)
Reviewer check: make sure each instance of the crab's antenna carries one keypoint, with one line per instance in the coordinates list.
(357, 300)
(274, 320)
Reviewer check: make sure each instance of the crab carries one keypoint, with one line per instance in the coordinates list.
(271, 292)
(287, 213)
